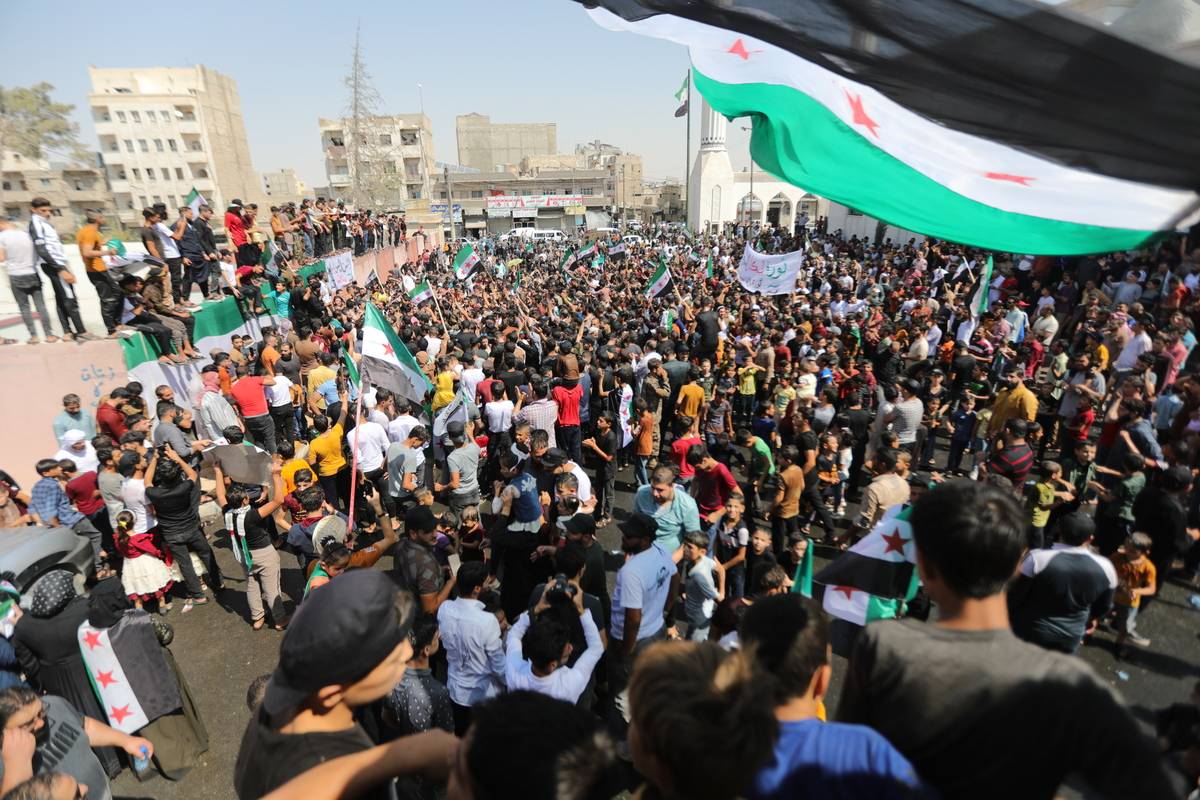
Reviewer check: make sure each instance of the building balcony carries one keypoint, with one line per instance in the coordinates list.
(190, 126)
(105, 127)
(335, 151)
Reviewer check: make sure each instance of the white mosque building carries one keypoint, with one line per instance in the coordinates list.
(718, 195)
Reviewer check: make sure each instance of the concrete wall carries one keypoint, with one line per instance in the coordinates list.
(483, 144)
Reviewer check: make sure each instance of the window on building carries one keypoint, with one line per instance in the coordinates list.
(7, 186)
(135, 116)
(442, 195)
(196, 146)
(389, 167)
(179, 174)
(337, 141)
(129, 145)
(166, 174)
(172, 145)
(414, 192)
(157, 199)
(476, 193)
(44, 181)
(150, 174)
(385, 138)
(137, 174)
(158, 145)
(129, 203)
(114, 147)
(150, 116)
(121, 175)
(587, 191)
(120, 116)
(202, 173)
(145, 201)
(143, 145)
(408, 137)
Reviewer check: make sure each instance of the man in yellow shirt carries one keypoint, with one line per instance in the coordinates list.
(1014, 401)
(325, 455)
(316, 377)
(691, 396)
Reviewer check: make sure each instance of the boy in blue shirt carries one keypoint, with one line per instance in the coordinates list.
(962, 421)
(815, 759)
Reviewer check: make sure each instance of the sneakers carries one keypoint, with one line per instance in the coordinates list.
(1140, 641)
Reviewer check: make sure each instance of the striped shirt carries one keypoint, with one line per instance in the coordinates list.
(541, 415)
(1013, 462)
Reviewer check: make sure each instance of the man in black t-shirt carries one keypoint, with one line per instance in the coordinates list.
(962, 369)
(175, 491)
(604, 448)
(251, 533)
(345, 648)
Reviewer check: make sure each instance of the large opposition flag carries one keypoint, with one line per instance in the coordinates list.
(387, 363)
(568, 259)
(659, 280)
(876, 106)
(871, 579)
(466, 263)
(420, 293)
(128, 673)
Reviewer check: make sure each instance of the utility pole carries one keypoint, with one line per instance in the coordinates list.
(449, 201)
(355, 120)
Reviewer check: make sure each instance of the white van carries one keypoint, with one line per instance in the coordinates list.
(632, 238)
(549, 236)
(517, 234)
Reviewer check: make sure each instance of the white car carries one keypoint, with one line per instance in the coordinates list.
(632, 238)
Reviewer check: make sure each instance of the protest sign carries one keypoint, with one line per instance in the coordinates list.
(769, 274)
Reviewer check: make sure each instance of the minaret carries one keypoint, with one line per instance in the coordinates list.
(712, 128)
(710, 188)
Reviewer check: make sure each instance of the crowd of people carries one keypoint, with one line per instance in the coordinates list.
(1035, 417)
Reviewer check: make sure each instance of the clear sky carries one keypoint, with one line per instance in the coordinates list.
(518, 61)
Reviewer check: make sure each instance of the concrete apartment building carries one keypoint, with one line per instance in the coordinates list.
(624, 170)
(166, 130)
(497, 201)
(73, 189)
(284, 186)
(487, 146)
(397, 150)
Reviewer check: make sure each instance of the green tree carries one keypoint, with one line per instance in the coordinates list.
(35, 126)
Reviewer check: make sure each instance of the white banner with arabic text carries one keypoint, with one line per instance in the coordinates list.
(769, 274)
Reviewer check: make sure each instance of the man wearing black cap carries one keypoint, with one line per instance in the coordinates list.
(417, 570)
(345, 648)
(646, 587)
(1061, 592)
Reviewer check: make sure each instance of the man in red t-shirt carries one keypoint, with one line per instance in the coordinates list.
(686, 437)
(251, 399)
(713, 483)
(566, 427)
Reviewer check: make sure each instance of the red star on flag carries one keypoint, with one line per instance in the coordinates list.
(1023, 180)
(860, 116)
(91, 639)
(387, 348)
(118, 715)
(105, 678)
(739, 49)
(846, 590)
(895, 542)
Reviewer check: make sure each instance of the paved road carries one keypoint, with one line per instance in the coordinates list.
(221, 655)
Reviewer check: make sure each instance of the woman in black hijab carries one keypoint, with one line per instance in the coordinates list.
(47, 645)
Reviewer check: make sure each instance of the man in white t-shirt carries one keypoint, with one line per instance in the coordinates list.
(400, 426)
(17, 254)
(370, 441)
(279, 398)
(1138, 343)
(132, 467)
(646, 587)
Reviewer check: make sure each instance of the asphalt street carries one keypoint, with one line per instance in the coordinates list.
(220, 655)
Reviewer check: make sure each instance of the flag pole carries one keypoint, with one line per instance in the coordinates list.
(354, 452)
(438, 306)
(687, 164)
